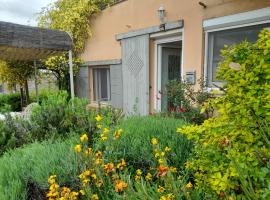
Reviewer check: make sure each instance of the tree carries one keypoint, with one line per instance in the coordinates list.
(73, 17)
(17, 72)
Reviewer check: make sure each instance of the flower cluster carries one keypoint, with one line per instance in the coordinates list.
(100, 174)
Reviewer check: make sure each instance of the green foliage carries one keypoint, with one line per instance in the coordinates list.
(10, 102)
(21, 169)
(16, 72)
(135, 145)
(185, 102)
(73, 17)
(58, 116)
(232, 149)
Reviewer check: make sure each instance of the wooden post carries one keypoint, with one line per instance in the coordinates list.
(36, 83)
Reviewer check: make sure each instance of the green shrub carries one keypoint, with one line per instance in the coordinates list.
(184, 102)
(13, 133)
(10, 101)
(27, 169)
(135, 145)
(232, 149)
(58, 116)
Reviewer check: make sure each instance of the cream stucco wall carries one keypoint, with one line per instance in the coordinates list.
(137, 14)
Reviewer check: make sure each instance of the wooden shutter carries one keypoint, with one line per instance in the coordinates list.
(116, 86)
(135, 68)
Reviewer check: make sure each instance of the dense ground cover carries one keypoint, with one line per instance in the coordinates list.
(35, 162)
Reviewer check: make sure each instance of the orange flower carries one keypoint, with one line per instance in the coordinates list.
(120, 186)
(162, 170)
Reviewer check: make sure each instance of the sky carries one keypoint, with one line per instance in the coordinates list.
(21, 11)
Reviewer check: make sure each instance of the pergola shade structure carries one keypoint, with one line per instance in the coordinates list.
(19, 42)
(27, 43)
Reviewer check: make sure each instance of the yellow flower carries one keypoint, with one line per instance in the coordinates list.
(188, 165)
(162, 153)
(98, 161)
(78, 148)
(167, 149)
(104, 138)
(88, 151)
(173, 169)
(154, 141)
(84, 138)
(106, 130)
(82, 192)
(161, 189)
(156, 155)
(54, 187)
(179, 130)
(122, 164)
(99, 126)
(94, 176)
(120, 186)
(98, 118)
(163, 198)
(139, 172)
(148, 177)
(51, 179)
(94, 197)
(189, 185)
(117, 134)
(99, 183)
(160, 161)
(85, 182)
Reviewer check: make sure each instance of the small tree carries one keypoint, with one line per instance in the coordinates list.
(17, 73)
(73, 17)
(232, 149)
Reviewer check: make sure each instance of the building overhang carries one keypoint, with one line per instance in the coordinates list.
(151, 30)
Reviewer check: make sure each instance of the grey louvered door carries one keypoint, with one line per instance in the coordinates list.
(135, 68)
(116, 86)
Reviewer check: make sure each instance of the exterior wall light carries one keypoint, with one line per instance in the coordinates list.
(162, 15)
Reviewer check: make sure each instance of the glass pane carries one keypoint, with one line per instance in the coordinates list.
(231, 37)
(170, 70)
(102, 84)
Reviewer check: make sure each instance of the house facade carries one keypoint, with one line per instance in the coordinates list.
(135, 50)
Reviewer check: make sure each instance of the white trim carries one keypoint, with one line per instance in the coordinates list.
(251, 18)
(238, 19)
(237, 26)
(163, 39)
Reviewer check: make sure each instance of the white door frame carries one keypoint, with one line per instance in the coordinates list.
(158, 61)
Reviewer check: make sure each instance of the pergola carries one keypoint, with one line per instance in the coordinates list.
(27, 43)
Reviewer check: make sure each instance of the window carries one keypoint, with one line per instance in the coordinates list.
(217, 40)
(102, 88)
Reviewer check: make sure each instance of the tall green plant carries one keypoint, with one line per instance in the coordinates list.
(232, 149)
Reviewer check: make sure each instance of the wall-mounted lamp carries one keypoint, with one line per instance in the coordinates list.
(202, 4)
(162, 15)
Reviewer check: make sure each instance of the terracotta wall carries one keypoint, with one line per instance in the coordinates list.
(137, 14)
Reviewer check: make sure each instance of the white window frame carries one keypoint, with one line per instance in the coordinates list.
(108, 85)
(251, 18)
(161, 39)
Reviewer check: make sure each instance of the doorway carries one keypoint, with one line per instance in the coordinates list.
(168, 68)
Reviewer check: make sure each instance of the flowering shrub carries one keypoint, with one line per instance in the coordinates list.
(103, 178)
(232, 149)
(185, 102)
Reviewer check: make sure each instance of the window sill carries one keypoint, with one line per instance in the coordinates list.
(95, 104)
